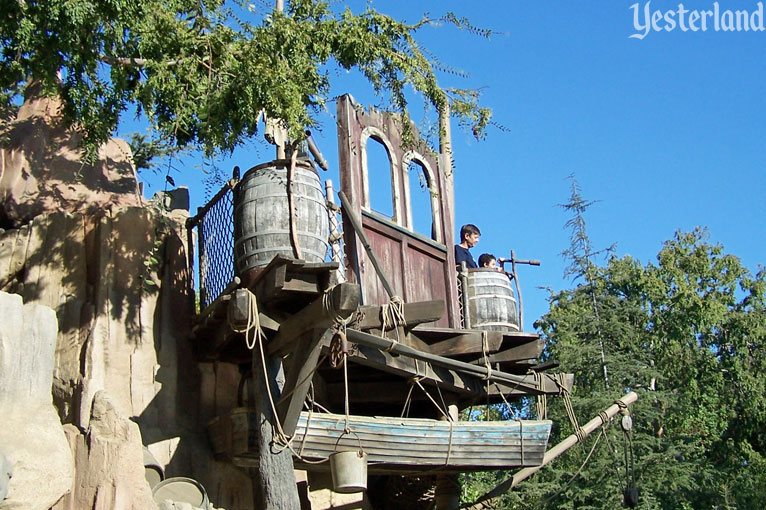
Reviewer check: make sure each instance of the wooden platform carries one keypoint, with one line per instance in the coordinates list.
(289, 296)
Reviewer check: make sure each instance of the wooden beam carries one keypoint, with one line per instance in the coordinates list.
(529, 350)
(551, 384)
(528, 384)
(345, 300)
(447, 380)
(414, 313)
(303, 361)
(349, 213)
(451, 380)
(468, 342)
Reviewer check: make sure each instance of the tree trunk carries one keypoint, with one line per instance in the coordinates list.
(274, 486)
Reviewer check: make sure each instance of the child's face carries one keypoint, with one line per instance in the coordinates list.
(471, 240)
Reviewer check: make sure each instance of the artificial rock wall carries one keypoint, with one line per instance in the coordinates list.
(78, 240)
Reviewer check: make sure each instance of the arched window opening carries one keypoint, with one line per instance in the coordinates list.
(420, 200)
(381, 197)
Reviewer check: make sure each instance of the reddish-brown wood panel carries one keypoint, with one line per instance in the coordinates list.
(417, 268)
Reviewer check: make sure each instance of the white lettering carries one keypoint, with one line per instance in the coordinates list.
(705, 14)
(637, 25)
(646, 19)
(716, 16)
(681, 13)
(742, 20)
(693, 17)
(727, 21)
(757, 15)
(670, 23)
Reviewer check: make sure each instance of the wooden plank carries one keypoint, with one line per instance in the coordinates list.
(552, 384)
(300, 282)
(345, 300)
(525, 351)
(414, 314)
(447, 380)
(303, 362)
(467, 342)
(350, 213)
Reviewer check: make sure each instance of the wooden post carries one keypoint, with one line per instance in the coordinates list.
(274, 486)
(447, 493)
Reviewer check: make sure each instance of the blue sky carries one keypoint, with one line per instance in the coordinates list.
(666, 132)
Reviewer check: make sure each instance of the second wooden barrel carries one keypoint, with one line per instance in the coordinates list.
(262, 215)
(491, 301)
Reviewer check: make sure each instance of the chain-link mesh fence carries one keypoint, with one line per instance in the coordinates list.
(215, 232)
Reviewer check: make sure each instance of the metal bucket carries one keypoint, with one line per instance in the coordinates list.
(491, 301)
(349, 471)
(181, 490)
(262, 218)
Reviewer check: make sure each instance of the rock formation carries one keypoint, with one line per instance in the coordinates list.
(118, 278)
(31, 436)
(41, 170)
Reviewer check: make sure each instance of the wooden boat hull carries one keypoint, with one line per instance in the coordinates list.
(395, 445)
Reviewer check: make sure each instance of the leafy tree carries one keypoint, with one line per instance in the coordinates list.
(687, 334)
(203, 71)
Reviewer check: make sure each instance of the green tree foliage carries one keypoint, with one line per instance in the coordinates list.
(202, 71)
(688, 334)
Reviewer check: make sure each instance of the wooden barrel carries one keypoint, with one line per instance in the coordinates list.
(491, 302)
(262, 219)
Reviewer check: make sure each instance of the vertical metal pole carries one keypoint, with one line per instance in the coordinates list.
(463, 275)
(202, 260)
(518, 291)
(335, 234)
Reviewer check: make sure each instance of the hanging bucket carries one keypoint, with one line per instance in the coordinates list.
(262, 216)
(349, 471)
(491, 301)
(348, 468)
(181, 490)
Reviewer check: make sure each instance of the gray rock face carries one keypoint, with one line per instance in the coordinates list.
(6, 473)
(31, 435)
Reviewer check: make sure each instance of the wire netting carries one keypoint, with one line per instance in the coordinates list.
(216, 247)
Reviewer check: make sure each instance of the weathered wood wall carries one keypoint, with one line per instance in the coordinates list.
(419, 268)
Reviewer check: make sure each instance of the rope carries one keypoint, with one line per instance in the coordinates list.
(346, 428)
(577, 473)
(392, 315)
(542, 399)
(253, 323)
(485, 353)
(579, 432)
(415, 381)
(293, 230)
